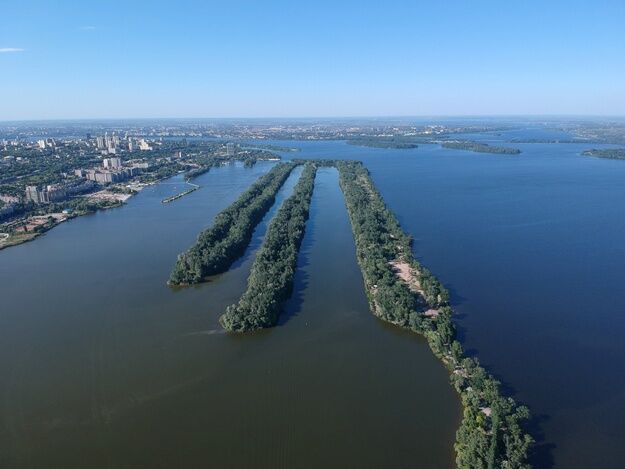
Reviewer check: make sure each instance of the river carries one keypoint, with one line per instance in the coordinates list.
(105, 366)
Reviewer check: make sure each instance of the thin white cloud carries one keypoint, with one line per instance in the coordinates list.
(7, 50)
(87, 28)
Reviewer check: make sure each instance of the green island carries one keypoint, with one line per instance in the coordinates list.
(397, 143)
(479, 147)
(219, 246)
(612, 153)
(271, 280)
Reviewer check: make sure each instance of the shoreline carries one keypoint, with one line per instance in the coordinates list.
(104, 195)
(118, 200)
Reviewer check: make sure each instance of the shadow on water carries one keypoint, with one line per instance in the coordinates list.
(541, 455)
(455, 297)
(300, 283)
(542, 452)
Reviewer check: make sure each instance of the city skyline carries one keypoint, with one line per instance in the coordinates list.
(278, 60)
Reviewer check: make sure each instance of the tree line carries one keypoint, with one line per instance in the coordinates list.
(611, 153)
(226, 240)
(271, 280)
(491, 434)
(480, 147)
(397, 142)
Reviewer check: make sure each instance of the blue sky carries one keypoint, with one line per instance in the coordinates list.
(88, 59)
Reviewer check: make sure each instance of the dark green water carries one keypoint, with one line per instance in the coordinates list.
(104, 366)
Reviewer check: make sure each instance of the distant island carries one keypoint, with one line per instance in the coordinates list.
(480, 147)
(384, 142)
(613, 153)
(548, 140)
(270, 147)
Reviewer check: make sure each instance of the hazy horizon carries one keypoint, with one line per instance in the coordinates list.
(432, 117)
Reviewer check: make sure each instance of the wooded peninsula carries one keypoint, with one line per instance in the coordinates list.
(404, 293)
(271, 280)
(226, 240)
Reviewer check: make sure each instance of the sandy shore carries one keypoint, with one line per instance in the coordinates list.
(410, 278)
(108, 196)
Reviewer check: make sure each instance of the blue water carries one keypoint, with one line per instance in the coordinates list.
(531, 247)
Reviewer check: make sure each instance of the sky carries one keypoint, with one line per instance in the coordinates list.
(122, 59)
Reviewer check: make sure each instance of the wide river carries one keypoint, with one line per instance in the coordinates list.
(103, 365)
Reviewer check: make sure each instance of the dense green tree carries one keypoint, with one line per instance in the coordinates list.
(226, 240)
(271, 280)
(480, 147)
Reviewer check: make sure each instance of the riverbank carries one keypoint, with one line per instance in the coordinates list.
(30, 228)
(9, 240)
